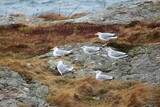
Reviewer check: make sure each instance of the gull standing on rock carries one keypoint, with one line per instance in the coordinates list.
(60, 52)
(103, 77)
(106, 36)
(62, 68)
(115, 54)
(90, 50)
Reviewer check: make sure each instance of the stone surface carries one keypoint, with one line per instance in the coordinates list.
(119, 13)
(125, 12)
(14, 90)
(142, 63)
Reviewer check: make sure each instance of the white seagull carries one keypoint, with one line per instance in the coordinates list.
(106, 36)
(90, 50)
(115, 54)
(60, 52)
(103, 77)
(62, 68)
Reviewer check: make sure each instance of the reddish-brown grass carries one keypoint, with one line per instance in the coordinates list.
(52, 16)
(56, 16)
(28, 40)
(38, 40)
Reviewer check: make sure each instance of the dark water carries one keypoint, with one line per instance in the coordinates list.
(33, 7)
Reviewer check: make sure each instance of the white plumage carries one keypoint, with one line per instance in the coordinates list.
(100, 76)
(115, 54)
(106, 36)
(60, 52)
(90, 49)
(62, 68)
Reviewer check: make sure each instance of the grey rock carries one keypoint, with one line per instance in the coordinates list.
(142, 63)
(8, 103)
(15, 90)
(124, 12)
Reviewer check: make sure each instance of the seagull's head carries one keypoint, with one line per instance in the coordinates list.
(98, 33)
(83, 47)
(55, 48)
(98, 72)
(60, 62)
(108, 49)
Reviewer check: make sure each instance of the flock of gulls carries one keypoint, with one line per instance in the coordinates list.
(62, 68)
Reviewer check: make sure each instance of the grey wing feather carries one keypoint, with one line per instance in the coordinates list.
(109, 35)
(91, 49)
(62, 52)
(118, 54)
(105, 36)
(104, 77)
(64, 68)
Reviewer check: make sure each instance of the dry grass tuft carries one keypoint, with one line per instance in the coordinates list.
(78, 15)
(17, 15)
(52, 16)
(56, 16)
(138, 33)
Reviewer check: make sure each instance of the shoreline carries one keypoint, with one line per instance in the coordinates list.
(35, 7)
(118, 13)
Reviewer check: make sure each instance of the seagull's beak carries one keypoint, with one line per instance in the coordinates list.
(95, 34)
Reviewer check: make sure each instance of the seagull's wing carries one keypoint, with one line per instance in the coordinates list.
(92, 49)
(103, 36)
(109, 34)
(104, 77)
(64, 68)
(118, 54)
(62, 52)
(107, 37)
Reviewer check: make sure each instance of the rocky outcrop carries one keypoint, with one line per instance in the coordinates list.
(16, 91)
(142, 63)
(125, 13)
(10, 19)
(119, 13)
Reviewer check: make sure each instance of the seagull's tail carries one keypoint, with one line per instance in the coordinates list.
(124, 56)
(71, 52)
(71, 69)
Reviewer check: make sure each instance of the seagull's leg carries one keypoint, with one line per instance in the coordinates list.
(85, 63)
(89, 57)
(106, 43)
